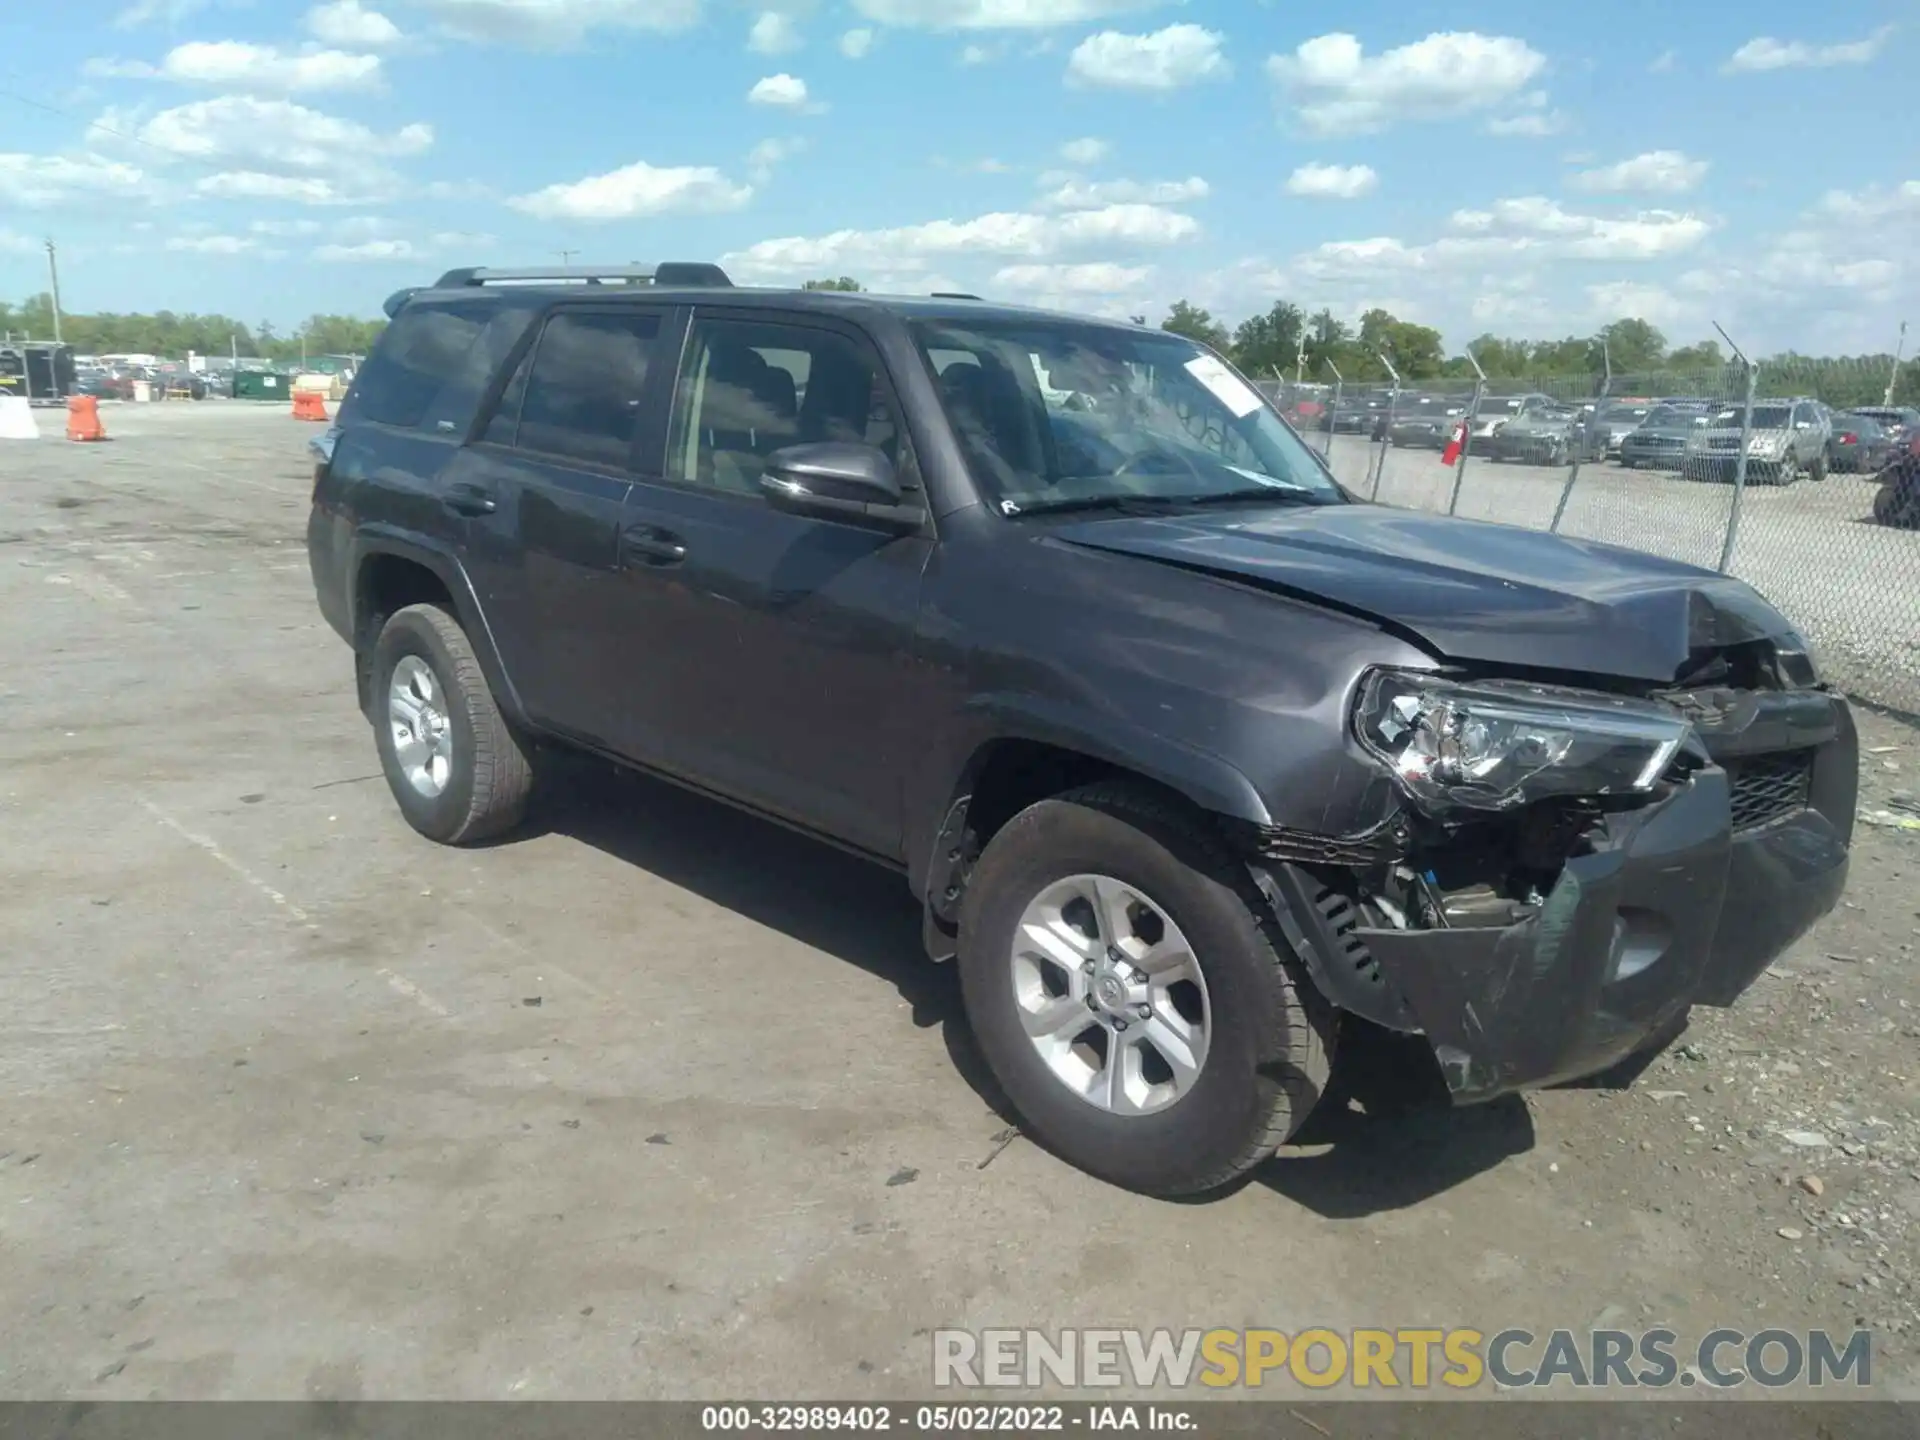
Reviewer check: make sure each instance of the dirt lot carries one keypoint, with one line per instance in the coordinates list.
(662, 1102)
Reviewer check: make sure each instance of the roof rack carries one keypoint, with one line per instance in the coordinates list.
(674, 272)
(953, 295)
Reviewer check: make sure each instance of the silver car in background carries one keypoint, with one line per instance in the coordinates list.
(1787, 439)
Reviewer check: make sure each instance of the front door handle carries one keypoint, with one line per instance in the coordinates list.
(651, 545)
(466, 498)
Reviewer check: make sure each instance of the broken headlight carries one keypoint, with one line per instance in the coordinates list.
(1492, 747)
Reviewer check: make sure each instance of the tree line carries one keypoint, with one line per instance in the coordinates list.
(1285, 341)
(170, 334)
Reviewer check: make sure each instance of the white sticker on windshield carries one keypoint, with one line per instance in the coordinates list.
(1228, 388)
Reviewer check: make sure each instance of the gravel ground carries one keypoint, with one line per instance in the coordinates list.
(658, 1101)
(1853, 586)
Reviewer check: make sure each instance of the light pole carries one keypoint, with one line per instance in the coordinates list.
(566, 256)
(1893, 375)
(53, 275)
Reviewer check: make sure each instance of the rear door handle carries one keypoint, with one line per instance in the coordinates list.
(466, 498)
(651, 545)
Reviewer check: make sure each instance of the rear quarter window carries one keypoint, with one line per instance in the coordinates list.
(432, 363)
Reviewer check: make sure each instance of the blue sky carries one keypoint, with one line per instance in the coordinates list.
(1526, 169)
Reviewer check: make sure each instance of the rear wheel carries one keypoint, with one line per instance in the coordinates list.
(456, 769)
(1820, 468)
(1132, 997)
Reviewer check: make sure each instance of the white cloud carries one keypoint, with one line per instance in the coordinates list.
(285, 227)
(1085, 151)
(980, 54)
(1333, 182)
(1657, 172)
(785, 91)
(1533, 218)
(993, 14)
(238, 65)
(210, 244)
(1765, 53)
(256, 185)
(394, 248)
(13, 243)
(1164, 60)
(1099, 276)
(1664, 62)
(350, 24)
(270, 136)
(35, 182)
(368, 250)
(1077, 194)
(636, 190)
(170, 12)
(769, 155)
(1336, 88)
(773, 33)
(856, 44)
(907, 250)
(1532, 124)
(552, 23)
(1873, 203)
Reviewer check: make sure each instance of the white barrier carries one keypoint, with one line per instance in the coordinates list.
(16, 419)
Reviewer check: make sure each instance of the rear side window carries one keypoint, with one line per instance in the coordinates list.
(428, 351)
(582, 394)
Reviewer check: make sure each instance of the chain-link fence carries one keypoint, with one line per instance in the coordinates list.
(1802, 478)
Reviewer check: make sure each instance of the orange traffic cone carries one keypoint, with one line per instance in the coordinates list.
(309, 405)
(83, 418)
(1451, 454)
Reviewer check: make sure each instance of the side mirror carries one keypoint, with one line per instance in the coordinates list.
(836, 479)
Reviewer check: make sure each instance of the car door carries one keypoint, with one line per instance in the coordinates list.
(776, 649)
(544, 485)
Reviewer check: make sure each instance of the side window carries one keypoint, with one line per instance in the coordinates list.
(748, 389)
(504, 423)
(581, 398)
(428, 349)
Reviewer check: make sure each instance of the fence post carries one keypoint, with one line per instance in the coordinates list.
(1333, 413)
(1606, 388)
(1739, 465)
(1466, 440)
(1386, 436)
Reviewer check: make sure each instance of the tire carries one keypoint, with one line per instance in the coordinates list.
(1268, 1035)
(1819, 470)
(487, 776)
(1897, 505)
(1625, 463)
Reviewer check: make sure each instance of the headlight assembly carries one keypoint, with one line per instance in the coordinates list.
(1493, 747)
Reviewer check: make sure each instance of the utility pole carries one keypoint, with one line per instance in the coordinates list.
(1894, 375)
(53, 274)
(566, 256)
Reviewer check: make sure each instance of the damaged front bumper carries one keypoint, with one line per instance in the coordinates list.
(1681, 903)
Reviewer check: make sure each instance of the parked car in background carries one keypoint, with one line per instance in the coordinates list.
(1901, 422)
(1614, 420)
(1361, 414)
(1660, 440)
(1786, 440)
(1427, 422)
(1543, 434)
(1897, 502)
(1859, 445)
(1497, 410)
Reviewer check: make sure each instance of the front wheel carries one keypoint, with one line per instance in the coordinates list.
(1137, 1007)
(1819, 470)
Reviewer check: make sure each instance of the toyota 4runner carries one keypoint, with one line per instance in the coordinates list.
(1189, 755)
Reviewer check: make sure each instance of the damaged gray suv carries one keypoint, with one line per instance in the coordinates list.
(1194, 761)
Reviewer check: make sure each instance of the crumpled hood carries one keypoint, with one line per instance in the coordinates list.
(1466, 590)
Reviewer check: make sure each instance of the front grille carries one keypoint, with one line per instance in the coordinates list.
(1766, 788)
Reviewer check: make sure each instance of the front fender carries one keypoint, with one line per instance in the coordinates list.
(1210, 782)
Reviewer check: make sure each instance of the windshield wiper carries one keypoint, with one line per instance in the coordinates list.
(1159, 504)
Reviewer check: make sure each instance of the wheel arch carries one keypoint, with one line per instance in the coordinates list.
(392, 569)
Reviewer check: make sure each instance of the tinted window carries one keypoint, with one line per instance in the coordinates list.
(582, 397)
(428, 349)
(749, 389)
(505, 421)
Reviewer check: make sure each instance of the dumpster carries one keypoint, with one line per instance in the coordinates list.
(260, 385)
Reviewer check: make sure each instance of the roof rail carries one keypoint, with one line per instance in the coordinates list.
(953, 295)
(673, 272)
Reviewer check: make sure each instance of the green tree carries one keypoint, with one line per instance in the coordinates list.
(1264, 344)
(843, 283)
(1415, 350)
(1195, 324)
(1634, 346)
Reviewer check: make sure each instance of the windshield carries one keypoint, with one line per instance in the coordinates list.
(1625, 414)
(1765, 417)
(1054, 413)
(1668, 415)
